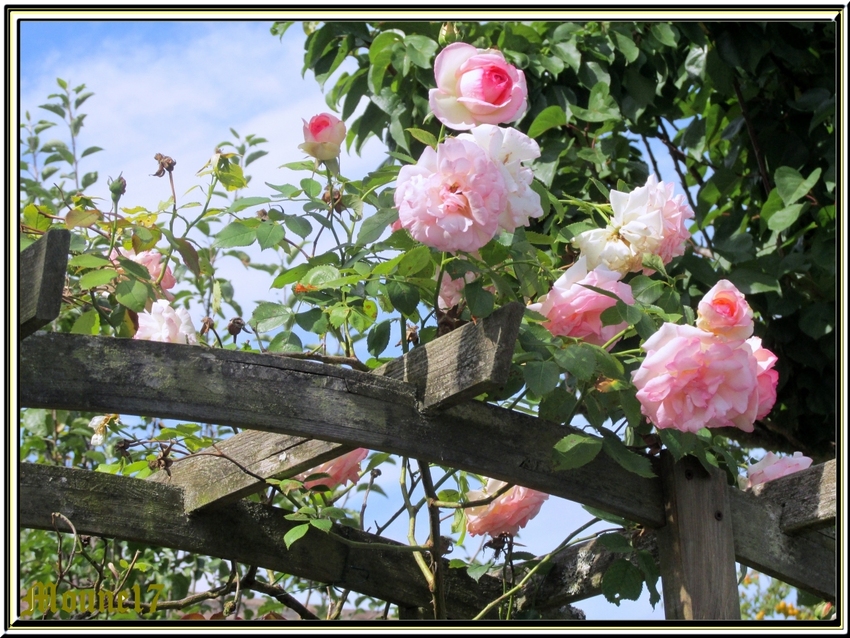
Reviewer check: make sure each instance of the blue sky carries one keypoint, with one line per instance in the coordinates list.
(176, 88)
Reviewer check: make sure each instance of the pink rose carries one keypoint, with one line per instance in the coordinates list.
(339, 470)
(451, 199)
(772, 467)
(691, 379)
(507, 514)
(451, 290)
(323, 136)
(476, 86)
(573, 310)
(724, 311)
(508, 148)
(152, 260)
(674, 213)
(163, 323)
(767, 377)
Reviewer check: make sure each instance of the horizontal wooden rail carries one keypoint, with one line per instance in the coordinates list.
(358, 409)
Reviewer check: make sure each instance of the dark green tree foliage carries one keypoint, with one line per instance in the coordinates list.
(745, 110)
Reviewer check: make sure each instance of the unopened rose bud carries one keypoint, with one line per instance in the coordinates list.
(448, 33)
(117, 187)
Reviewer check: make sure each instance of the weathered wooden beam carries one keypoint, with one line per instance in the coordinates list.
(246, 460)
(806, 498)
(805, 560)
(43, 266)
(696, 547)
(302, 398)
(252, 534)
(463, 363)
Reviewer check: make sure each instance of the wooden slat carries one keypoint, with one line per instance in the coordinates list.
(302, 398)
(696, 546)
(463, 363)
(807, 498)
(800, 560)
(121, 507)
(43, 266)
(208, 480)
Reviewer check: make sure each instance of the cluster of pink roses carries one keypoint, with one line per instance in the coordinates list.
(713, 375)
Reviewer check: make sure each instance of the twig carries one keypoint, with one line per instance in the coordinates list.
(354, 362)
(765, 180)
(439, 589)
(482, 501)
(651, 156)
(53, 517)
(280, 595)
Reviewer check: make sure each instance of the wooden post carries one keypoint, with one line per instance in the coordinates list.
(696, 546)
(42, 277)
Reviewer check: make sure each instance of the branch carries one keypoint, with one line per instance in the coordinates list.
(439, 589)
(354, 362)
(765, 180)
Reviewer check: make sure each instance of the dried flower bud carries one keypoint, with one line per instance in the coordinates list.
(164, 163)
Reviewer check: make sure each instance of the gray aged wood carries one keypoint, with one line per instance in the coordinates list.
(807, 498)
(252, 534)
(43, 266)
(302, 398)
(806, 560)
(463, 363)
(209, 480)
(696, 547)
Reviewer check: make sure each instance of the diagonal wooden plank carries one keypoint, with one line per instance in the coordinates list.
(208, 480)
(302, 398)
(462, 364)
(43, 266)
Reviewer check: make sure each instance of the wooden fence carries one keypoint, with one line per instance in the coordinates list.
(297, 414)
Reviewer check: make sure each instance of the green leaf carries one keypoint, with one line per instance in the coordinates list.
(87, 323)
(319, 276)
(190, 256)
(627, 459)
(95, 278)
(622, 581)
(477, 571)
(298, 225)
(651, 574)
(378, 338)
(616, 543)
(88, 260)
(784, 218)
(479, 301)
(132, 268)
(290, 276)
(579, 360)
(295, 533)
(423, 136)
(321, 523)
(550, 117)
(235, 234)
(374, 226)
(133, 294)
(575, 450)
(420, 49)
(645, 289)
(605, 516)
(269, 234)
(403, 296)
(791, 185)
(90, 150)
(286, 341)
(268, 316)
(414, 261)
(541, 377)
(77, 218)
(311, 187)
(287, 190)
(246, 202)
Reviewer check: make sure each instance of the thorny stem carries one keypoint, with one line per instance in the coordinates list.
(411, 529)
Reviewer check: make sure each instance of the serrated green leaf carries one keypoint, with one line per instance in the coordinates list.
(133, 294)
(550, 117)
(578, 359)
(295, 533)
(423, 136)
(95, 278)
(290, 276)
(403, 296)
(320, 276)
(622, 581)
(378, 338)
(87, 323)
(269, 234)
(575, 450)
(88, 260)
(616, 543)
(235, 234)
(268, 316)
(541, 377)
(246, 202)
(414, 261)
(477, 571)
(79, 218)
(627, 459)
(373, 227)
(479, 301)
(298, 225)
(311, 187)
(321, 523)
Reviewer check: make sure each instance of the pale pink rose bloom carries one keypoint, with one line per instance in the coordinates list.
(164, 323)
(674, 213)
(451, 199)
(323, 136)
(152, 260)
(767, 377)
(451, 290)
(508, 148)
(476, 86)
(573, 310)
(772, 467)
(507, 514)
(339, 470)
(691, 379)
(724, 311)
(635, 228)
